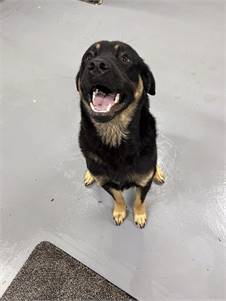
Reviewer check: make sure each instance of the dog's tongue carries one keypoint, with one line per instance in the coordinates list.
(101, 102)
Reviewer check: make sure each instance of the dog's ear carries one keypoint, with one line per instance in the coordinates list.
(77, 80)
(148, 79)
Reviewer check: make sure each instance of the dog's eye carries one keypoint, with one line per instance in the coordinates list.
(125, 58)
(89, 56)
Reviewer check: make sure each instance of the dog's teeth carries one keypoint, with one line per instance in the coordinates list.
(94, 95)
(109, 107)
(117, 98)
(92, 107)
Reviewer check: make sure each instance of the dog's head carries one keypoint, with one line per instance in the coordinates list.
(111, 76)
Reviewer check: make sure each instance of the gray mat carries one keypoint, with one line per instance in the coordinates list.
(51, 274)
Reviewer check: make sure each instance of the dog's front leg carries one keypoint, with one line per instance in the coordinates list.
(139, 209)
(119, 211)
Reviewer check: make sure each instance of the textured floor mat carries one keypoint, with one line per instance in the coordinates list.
(51, 274)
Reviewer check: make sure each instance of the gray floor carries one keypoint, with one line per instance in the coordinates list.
(181, 252)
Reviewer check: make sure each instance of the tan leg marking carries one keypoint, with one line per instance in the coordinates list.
(159, 177)
(139, 211)
(119, 211)
(88, 178)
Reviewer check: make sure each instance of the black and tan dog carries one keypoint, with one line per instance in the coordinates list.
(118, 133)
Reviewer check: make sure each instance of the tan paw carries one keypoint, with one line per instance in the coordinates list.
(119, 214)
(159, 177)
(88, 178)
(140, 216)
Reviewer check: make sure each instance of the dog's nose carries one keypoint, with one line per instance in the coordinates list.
(98, 66)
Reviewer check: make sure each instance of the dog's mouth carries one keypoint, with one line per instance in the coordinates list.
(102, 99)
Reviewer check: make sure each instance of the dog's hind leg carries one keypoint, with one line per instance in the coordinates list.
(88, 178)
(159, 177)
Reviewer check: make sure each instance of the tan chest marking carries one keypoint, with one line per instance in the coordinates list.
(112, 133)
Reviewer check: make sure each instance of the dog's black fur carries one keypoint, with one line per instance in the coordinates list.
(136, 153)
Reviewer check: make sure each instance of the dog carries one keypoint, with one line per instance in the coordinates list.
(117, 132)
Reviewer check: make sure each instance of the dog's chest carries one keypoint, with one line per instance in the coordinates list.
(112, 134)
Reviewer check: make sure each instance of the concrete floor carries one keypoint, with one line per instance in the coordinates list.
(181, 254)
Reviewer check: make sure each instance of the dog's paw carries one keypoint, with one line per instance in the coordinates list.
(159, 177)
(119, 214)
(88, 178)
(140, 216)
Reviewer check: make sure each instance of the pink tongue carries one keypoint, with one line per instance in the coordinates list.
(101, 102)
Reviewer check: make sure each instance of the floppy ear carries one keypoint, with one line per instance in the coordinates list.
(148, 80)
(77, 79)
